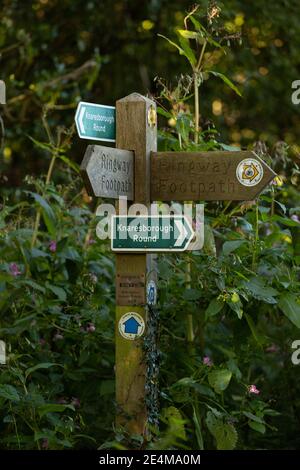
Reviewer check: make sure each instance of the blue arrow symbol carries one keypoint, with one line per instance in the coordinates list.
(131, 326)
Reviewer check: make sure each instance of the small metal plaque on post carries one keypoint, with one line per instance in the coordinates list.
(130, 289)
(108, 172)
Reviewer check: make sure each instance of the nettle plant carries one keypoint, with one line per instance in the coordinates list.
(232, 308)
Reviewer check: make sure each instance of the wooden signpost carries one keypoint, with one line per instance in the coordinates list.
(136, 170)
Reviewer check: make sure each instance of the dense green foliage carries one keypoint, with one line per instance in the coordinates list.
(226, 380)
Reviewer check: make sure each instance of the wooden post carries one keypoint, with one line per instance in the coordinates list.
(136, 130)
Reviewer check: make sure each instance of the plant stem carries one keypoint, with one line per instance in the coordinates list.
(201, 56)
(50, 169)
(39, 212)
(273, 202)
(196, 92)
(197, 115)
(256, 239)
(190, 327)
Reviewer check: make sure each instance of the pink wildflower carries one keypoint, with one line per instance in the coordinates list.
(45, 444)
(252, 389)
(75, 402)
(295, 218)
(91, 328)
(58, 336)
(14, 269)
(52, 246)
(207, 361)
(62, 401)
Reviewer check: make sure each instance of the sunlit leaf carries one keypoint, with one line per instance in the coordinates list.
(226, 80)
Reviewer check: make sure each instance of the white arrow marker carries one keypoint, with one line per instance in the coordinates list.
(80, 119)
(182, 233)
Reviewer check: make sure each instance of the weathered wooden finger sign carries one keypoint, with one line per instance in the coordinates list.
(108, 172)
(208, 176)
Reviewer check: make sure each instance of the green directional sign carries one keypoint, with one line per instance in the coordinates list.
(150, 233)
(96, 121)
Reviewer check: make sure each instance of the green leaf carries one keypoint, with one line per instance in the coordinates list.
(192, 294)
(53, 408)
(36, 253)
(260, 339)
(42, 365)
(58, 291)
(197, 24)
(185, 382)
(285, 221)
(232, 245)
(180, 50)
(229, 148)
(226, 81)
(233, 367)
(259, 290)
(33, 284)
(225, 434)
(197, 423)
(219, 379)
(42, 145)
(8, 392)
(290, 307)
(186, 34)
(253, 417)
(164, 113)
(175, 421)
(261, 428)
(237, 307)
(183, 126)
(47, 212)
(69, 162)
(189, 53)
(215, 306)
